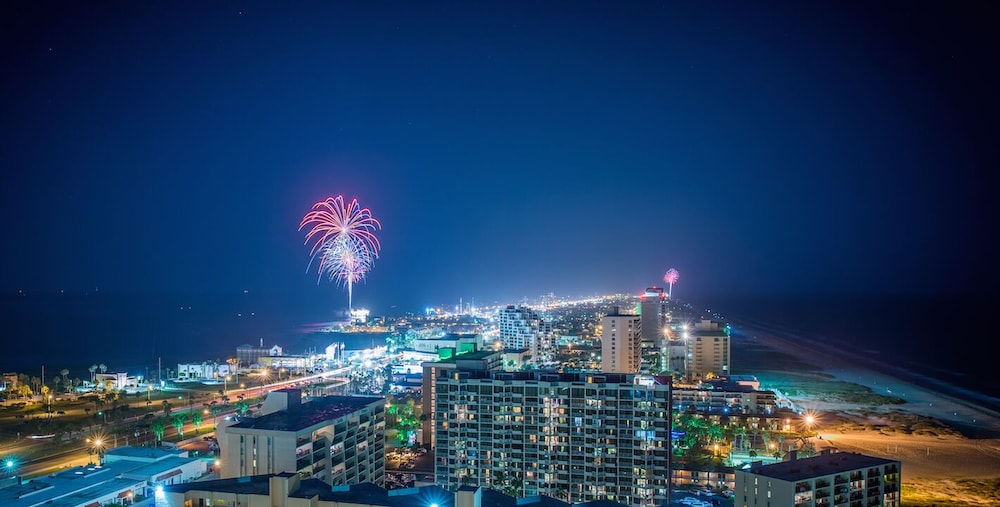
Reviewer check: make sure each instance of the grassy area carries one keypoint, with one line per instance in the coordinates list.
(823, 387)
(952, 493)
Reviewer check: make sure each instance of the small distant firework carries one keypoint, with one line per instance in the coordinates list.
(343, 241)
(670, 279)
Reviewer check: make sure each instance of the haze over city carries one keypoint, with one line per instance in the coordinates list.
(508, 150)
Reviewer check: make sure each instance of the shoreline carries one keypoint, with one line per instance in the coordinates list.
(975, 415)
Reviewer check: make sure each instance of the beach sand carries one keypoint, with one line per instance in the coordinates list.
(944, 437)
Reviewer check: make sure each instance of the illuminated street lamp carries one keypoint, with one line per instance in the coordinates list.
(9, 465)
(97, 444)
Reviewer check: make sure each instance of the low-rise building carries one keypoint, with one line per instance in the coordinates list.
(291, 490)
(128, 475)
(195, 371)
(827, 480)
(337, 439)
(724, 398)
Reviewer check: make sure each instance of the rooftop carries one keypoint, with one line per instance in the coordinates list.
(327, 408)
(828, 463)
(468, 356)
(76, 486)
(142, 452)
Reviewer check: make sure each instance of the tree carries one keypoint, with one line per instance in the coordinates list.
(158, 427)
(93, 372)
(177, 421)
(166, 407)
(66, 381)
(103, 367)
(216, 410)
(196, 421)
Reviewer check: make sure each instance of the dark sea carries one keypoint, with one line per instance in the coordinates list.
(137, 332)
(945, 338)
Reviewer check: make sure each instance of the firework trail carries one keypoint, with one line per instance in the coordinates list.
(671, 278)
(343, 240)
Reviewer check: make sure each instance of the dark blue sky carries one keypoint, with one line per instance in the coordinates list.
(509, 149)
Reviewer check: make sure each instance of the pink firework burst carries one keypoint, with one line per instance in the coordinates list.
(343, 240)
(670, 279)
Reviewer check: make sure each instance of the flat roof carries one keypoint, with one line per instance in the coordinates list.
(468, 356)
(311, 413)
(824, 464)
(249, 485)
(143, 452)
(75, 486)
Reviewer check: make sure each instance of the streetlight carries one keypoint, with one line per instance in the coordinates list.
(98, 445)
(9, 465)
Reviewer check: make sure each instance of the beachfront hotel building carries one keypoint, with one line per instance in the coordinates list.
(725, 399)
(653, 313)
(830, 479)
(336, 439)
(574, 436)
(522, 328)
(621, 342)
(707, 350)
(448, 360)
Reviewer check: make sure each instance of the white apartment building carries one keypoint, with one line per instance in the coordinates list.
(621, 342)
(707, 350)
(827, 480)
(576, 437)
(522, 328)
(337, 439)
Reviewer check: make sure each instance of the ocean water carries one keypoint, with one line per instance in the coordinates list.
(945, 338)
(136, 332)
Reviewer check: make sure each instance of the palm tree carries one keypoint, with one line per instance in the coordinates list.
(93, 371)
(740, 434)
(196, 421)
(177, 421)
(66, 381)
(157, 427)
(166, 407)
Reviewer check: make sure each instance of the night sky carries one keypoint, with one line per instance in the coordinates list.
(508, 148)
